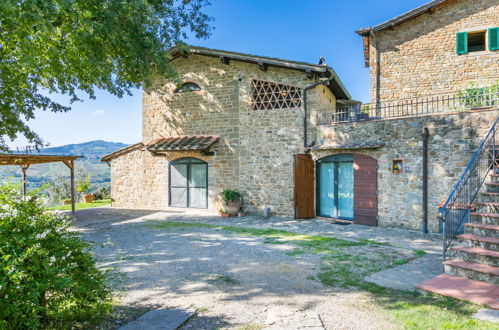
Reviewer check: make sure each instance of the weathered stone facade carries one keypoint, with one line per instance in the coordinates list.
(255, 150)
(418, 57)
(453, 140)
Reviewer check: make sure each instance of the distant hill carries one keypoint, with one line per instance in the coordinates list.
(90, 163)
(90, 150)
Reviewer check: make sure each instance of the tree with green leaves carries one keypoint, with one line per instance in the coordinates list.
(72, 47)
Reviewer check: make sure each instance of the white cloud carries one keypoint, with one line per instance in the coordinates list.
(98, 112)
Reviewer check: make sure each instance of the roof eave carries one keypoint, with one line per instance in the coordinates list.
(339, 90)
(425, 8)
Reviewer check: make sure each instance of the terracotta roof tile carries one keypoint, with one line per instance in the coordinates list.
(182, 143)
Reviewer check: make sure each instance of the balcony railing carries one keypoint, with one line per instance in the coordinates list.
(471, 99)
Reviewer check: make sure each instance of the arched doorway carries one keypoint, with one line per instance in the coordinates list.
(188, 183)
(335, 187)
(347, 187)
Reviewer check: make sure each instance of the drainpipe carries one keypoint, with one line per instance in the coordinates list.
(305, 110)
(426, 137)
(378, 74)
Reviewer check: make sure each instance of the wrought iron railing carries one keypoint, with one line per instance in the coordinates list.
(458, 207)
(470, 99)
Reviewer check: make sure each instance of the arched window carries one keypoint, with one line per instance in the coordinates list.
(188, 183)
(188, 87)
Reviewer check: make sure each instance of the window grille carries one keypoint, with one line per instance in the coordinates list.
(267, 95)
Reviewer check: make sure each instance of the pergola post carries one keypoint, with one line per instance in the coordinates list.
(24, 168)
(71, 165)
(72, 168)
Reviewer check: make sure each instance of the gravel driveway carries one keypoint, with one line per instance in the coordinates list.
(234, 281)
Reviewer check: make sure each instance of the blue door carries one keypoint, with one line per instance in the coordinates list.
(335, 187)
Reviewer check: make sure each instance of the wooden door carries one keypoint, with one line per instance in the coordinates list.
(303, 186)
(365, 187)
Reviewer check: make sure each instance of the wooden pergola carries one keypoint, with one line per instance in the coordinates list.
(26, 160)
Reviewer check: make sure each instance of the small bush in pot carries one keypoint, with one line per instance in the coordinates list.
(231, 200)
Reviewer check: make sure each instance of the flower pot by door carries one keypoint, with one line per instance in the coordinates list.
(233, 207)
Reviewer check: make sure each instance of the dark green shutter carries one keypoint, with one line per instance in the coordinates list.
(494, 38)
(461, 43)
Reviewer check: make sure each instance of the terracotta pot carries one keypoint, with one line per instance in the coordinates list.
(224, 215)
(232, 207)
(88, 198)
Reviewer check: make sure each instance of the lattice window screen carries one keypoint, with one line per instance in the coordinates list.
(267, 95)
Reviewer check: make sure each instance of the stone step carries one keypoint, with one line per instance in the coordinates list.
(487, 206)
(491, 204)
(481, 229)
(483, 242)
(485, 214)
(472, 271)
(490, 218)
(463, 289)
(486, 193)
(476, 255)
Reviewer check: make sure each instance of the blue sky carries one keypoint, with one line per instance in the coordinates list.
(290, 29)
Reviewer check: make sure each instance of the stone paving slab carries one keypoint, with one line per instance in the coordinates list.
(486, 314)
(408, 276)
(292, 319)
(160, 319)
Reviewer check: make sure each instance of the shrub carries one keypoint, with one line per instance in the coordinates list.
(230, 195)
(477, 97)
(47, 274)
(83, 185)
(102, 193)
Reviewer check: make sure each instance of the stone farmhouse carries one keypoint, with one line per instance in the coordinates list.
(235, 121)
(289, 137)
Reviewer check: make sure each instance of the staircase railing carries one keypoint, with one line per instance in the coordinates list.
(459, 204)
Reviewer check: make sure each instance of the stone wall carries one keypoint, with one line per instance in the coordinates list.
(255, 151)
(418, 57)
(138, 181)
(453, 140)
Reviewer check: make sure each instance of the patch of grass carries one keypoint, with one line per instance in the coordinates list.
(81, 206)
(175, 225)
(372, 241)
(419, 253)
(223, 279)
(249, 327)
(202, 309)
(400, 262)
(412, 310)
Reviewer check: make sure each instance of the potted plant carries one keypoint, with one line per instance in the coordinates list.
(223, 213)
(231, 200)
(82, 187)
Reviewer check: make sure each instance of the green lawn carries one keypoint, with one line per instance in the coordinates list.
(81, 206)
